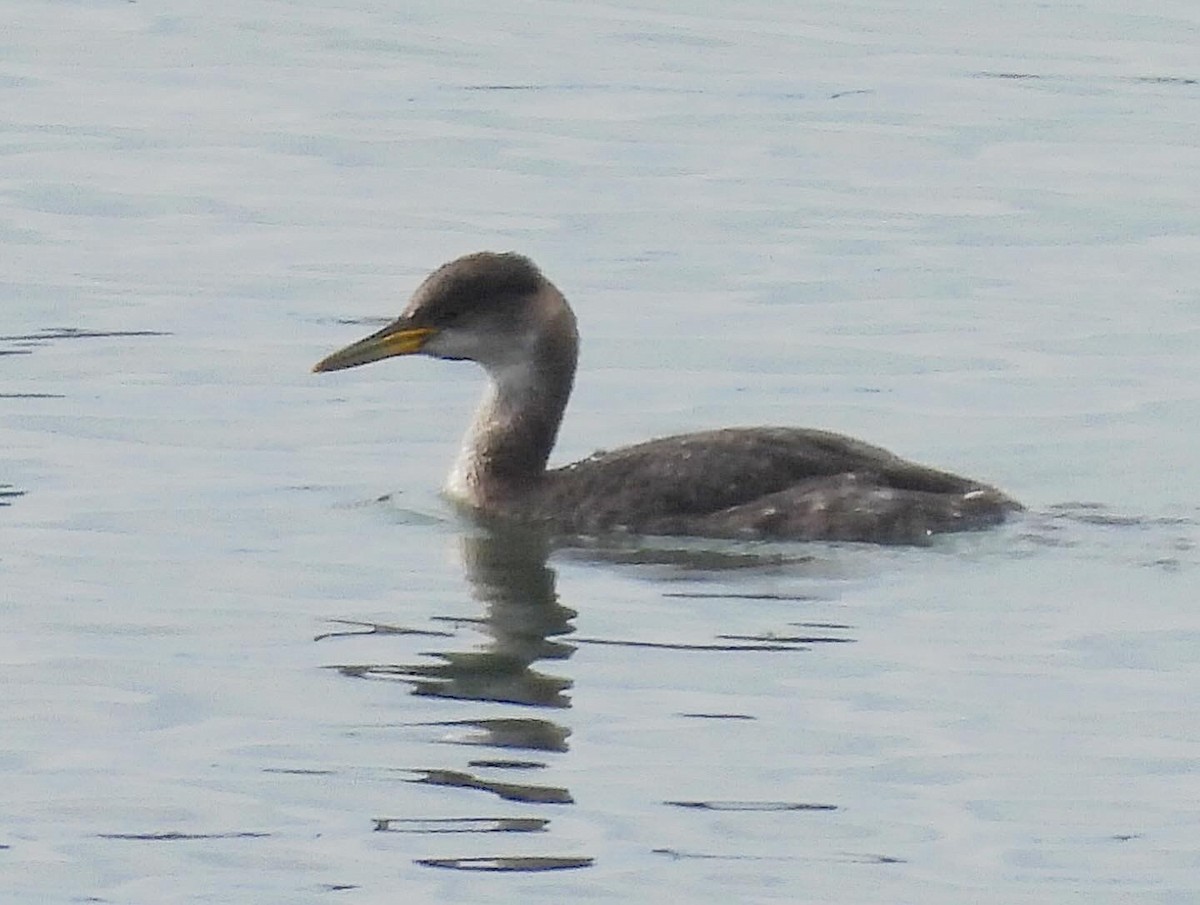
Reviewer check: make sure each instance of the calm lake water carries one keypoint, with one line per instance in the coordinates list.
(248, 654)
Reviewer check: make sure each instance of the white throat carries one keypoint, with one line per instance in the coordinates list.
(513, 392)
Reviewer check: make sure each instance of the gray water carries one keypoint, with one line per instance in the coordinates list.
(249, 655)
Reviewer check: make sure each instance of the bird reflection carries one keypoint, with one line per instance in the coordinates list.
(509, 573)
(522, 623)
(522, 620)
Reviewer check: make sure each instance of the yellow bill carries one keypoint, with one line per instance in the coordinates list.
(394, 339)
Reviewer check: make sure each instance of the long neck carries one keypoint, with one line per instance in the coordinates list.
(509, 442)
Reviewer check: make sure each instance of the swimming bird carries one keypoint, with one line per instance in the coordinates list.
(500, 312)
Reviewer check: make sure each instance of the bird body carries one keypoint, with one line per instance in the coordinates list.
(756, 482)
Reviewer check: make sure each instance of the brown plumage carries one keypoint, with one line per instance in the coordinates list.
(759, 482)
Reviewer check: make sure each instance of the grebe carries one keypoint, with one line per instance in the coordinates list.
(759, 482)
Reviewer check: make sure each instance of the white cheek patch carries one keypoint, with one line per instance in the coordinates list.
(491, 351)
(447, 344)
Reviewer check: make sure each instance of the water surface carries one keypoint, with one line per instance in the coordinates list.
(250, 655)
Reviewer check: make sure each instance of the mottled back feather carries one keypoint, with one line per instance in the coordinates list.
(763, 482)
